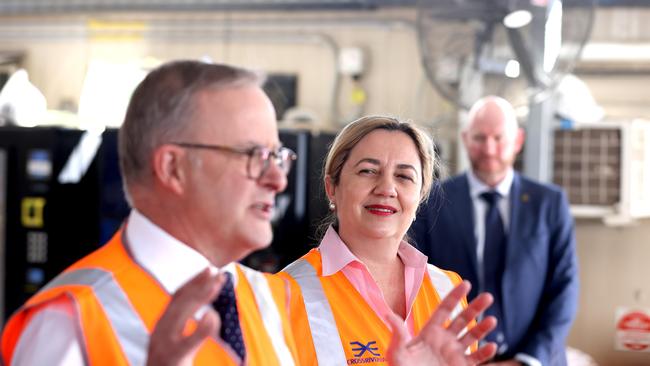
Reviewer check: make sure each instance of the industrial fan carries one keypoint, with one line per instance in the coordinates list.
(517, 49)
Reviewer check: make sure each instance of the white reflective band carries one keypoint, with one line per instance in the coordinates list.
(131, 333)
(270, 314)
(443, 285)
(327, 341)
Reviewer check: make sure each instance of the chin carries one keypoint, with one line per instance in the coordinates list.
(259, 238)
(380, 233)
(491, 172)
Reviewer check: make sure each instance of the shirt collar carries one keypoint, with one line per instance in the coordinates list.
(335, 255)
(167, 259)
(476, 186)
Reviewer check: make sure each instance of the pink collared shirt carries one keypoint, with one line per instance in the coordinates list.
(336, 256)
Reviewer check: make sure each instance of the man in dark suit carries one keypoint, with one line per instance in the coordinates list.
(508, 235)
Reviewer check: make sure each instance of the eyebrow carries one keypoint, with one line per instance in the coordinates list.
(376, 162)
(407, 166)
(367, 160)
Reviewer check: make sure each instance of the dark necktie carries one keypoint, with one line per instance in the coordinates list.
(226, 306)
(493, 260)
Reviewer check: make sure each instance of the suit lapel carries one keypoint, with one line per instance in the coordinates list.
(463, 210)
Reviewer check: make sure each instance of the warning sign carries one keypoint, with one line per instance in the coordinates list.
(633, 330)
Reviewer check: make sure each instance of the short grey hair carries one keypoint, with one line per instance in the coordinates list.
(162, 109)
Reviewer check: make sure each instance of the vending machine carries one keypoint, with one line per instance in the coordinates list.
(48, 222)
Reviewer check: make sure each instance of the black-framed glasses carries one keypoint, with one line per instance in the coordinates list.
(259, 157)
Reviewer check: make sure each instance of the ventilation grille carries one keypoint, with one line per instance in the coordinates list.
(587, 164)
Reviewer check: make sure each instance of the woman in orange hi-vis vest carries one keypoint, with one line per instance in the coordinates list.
(376, 173)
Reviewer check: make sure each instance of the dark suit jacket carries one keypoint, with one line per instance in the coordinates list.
(540, 278)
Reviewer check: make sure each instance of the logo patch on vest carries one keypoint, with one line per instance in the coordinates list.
(365, 353)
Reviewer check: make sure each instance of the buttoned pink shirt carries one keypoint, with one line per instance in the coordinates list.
(336, 256)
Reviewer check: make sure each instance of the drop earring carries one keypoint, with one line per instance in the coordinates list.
(332, 206)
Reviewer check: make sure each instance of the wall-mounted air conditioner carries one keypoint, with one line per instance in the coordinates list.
(605, 169)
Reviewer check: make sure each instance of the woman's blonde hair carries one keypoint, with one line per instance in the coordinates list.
(354, 132)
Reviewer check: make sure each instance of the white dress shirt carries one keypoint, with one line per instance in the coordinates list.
(476, 188)
(53, 336)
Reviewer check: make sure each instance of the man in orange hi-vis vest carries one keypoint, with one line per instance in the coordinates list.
(202, 162)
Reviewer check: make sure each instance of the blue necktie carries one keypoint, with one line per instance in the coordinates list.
(493, 260)
(226, 306)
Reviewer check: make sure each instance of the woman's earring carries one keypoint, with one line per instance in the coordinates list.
(332, 206)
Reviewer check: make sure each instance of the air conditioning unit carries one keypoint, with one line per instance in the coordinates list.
(605, 169)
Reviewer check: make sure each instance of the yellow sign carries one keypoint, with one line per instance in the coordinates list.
(31, 212)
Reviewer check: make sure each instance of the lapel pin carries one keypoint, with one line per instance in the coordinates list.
(524, 198)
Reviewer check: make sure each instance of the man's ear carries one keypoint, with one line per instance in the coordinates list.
(169, 164)
(464, 136)
(330, 188)
(519, 139)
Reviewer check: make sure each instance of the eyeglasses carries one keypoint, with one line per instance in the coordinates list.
(259, 157)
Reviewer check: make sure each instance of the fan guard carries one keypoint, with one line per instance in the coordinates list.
(467, 51)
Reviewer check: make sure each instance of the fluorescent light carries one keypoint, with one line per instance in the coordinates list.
(553, 36)
(517, 19)
(512, 69)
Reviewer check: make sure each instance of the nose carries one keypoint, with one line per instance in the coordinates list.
(386, 186)
(490, 146)
(274, 177)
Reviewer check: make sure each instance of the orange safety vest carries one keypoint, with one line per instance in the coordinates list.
(335, 323)
(119, 303)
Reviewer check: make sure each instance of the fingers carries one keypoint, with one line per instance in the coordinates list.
(199, 291)
(453, 353)
(474, 309)
(208, 325)
(398, 339)
(483, 354)
(446, 307)
(167, 344)
(479, 331)
(400, 334)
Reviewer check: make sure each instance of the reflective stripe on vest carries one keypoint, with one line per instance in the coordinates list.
(270, 314)
(319, 314)
(443, 285)
(322, 318)
(130, 331)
